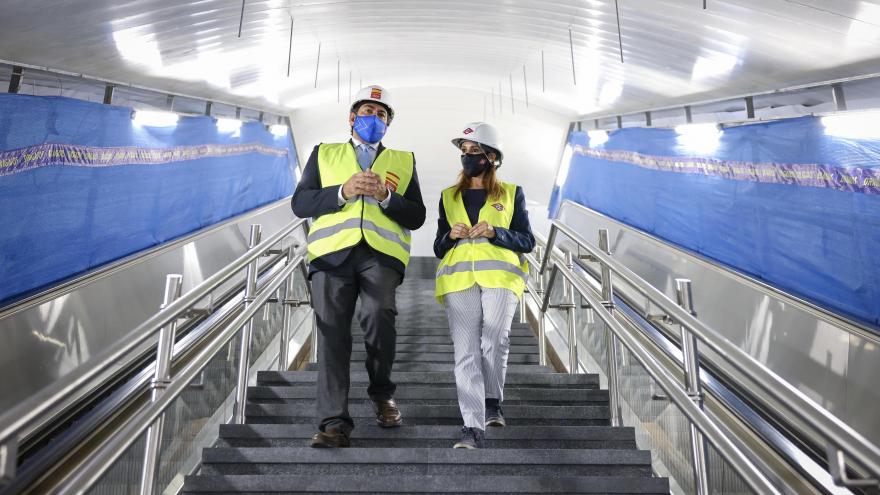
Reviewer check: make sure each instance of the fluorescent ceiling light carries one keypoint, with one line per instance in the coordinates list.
(228, 125)
(278, 129)
(597, 137)
(714, 65)
(855, 125)
(611, 91)
(697, 129)
(699, 138)
(155, 119)
(138, 48)
(864, 24)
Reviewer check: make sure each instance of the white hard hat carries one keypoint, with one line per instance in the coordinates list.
(481, 133)
(376, 94)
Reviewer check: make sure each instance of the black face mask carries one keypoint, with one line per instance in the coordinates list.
(475, 165)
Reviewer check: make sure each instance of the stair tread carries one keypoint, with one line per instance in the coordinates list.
(436, 377)
(557, 440)
(306, 430)
(423, 484)
(416, 366)
(413, 411)
(307, 455)
(449, 392)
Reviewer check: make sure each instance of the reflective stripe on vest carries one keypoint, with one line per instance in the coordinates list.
(478, 261)
(363, 218)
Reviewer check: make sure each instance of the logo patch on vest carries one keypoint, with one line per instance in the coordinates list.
(498, 206)
(391, 181)
(467, 131)
(376, 94)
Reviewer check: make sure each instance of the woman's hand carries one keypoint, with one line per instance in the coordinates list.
(482, 229)
(459, 231)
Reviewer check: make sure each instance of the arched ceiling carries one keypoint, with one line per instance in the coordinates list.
(674, 51)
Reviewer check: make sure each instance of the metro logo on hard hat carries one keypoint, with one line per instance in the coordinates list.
(467, 131)
(376, 93)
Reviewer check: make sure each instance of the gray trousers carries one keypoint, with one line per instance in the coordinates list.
(334, 294)
(479, 321)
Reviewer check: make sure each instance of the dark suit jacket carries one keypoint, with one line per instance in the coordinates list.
(311, 199)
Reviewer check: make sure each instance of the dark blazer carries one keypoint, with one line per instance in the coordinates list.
(310, 199)
(517, 238)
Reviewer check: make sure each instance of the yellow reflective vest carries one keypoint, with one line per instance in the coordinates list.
(364, 218)
(477, 261)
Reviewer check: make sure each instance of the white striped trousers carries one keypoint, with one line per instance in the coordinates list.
(479, 321)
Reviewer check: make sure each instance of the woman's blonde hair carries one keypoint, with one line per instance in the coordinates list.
(490, 180)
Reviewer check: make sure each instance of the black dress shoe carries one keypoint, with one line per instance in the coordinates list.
(332, 438)
(387, 413)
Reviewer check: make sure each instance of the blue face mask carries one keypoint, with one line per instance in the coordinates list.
(370, 128)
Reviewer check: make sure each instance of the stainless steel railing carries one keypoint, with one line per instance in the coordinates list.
(843, 441)
(164, 387)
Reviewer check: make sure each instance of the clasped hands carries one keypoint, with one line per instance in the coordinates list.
(461, 231)
(365, 183)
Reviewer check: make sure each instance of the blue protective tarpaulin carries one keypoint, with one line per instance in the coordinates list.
(781, 201)
(81, 184)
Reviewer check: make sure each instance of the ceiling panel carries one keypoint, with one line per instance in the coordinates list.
(673, 50)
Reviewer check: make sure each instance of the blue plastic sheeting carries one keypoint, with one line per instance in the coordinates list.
(81, 184)
(780, 201)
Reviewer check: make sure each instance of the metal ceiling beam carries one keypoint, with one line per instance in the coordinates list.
(108, 94)
(241, 19)
(15, 79)
(290, 48)
(317, 64)
(571, 46)
(838, 96)
(787, 89)
(619, 35)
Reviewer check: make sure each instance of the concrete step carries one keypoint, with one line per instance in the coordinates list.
(380, 462)
(358, 340)
(444, 330)
(446, 366)
(514, 379)
(435, 436)
(422, 414)
(447, 347)
(470, 485)
(415, 394)
(440, 357)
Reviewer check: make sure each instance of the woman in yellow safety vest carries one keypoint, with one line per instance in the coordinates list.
(482, 230)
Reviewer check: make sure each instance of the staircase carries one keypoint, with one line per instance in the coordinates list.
(557, 438)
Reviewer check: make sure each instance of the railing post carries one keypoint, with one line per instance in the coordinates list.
(161, 379)
(244, 353)
(8, 460)
(610, 339)
(542, 337)
(691, 357)
(313, 352)
(289, 303)
(571, 307)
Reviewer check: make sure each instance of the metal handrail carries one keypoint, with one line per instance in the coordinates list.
(114, 447)
(841, 436)
(843, 322)
(676, 393)
(20, 417)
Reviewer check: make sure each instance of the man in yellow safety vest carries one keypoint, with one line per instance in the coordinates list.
(364, 200)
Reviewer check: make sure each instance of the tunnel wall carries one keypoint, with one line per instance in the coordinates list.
(781, 201)
(83, 184)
